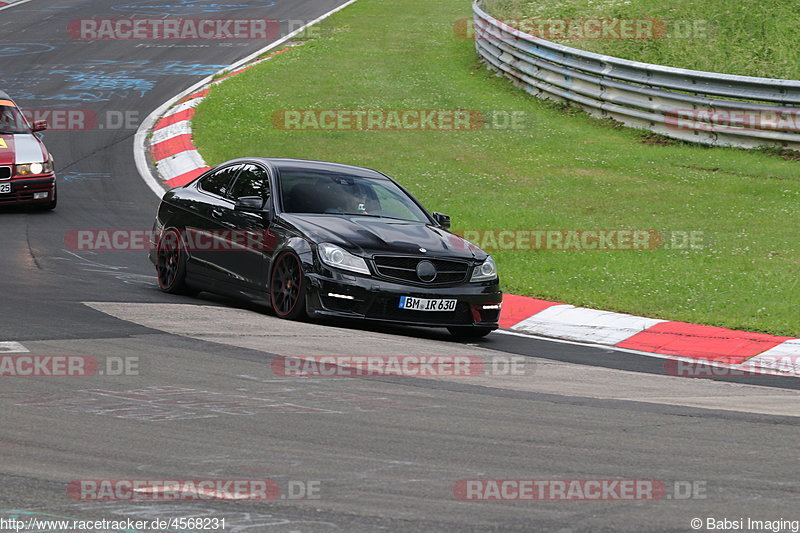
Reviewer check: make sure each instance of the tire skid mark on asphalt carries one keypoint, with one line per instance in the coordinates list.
(168, 404)
(118, 272)
(367, 472)
(171, 403)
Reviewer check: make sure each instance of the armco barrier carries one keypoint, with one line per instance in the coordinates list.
(692, 105)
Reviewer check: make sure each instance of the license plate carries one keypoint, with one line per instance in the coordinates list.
(427, 304)
(5, 188)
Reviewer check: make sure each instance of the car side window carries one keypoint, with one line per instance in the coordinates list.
(252, 181)
(219, 182)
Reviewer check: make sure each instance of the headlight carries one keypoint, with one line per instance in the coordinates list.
(338, 257)
(32, 169)
(485, 271)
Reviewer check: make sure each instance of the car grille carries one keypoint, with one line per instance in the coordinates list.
(5, 173)
(404, 268)
(19, 197)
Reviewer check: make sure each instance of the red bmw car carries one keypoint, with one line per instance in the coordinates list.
(26, 167)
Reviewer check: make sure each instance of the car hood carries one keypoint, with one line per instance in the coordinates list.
(21, 148)
(368, 236)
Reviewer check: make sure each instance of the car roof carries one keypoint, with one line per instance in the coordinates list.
(323, 166)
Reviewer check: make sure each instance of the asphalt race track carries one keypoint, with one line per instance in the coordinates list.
(380, 454)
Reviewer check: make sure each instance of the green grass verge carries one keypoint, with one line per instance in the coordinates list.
(563, 171)
(731, 36)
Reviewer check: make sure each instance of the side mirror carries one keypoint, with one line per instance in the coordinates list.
(253, 204)
(442, 219)
(39, 125)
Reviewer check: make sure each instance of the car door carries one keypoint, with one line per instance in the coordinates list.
(207, 227)
(253, 241)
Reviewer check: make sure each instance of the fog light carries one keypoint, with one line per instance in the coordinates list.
(40, 195)
(342, 296)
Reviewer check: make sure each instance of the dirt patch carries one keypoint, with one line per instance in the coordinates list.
(654, 139)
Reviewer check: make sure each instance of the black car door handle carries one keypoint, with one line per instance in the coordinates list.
(216, 213)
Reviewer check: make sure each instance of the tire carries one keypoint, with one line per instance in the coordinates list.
(469, 332)
(287, 286)
(171, 264)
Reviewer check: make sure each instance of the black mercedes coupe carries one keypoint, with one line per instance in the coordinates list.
(323, 240)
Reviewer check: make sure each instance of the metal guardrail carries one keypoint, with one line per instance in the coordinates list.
(692, 105)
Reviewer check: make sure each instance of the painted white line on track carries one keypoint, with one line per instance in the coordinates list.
(12, 347)
(15, 4)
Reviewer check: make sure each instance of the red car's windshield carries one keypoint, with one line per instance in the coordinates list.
(12, 121)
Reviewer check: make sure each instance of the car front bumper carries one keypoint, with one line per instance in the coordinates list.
(368, 298)
(24, 189)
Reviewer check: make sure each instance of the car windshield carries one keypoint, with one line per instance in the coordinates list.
(308, 191)
(12, 121)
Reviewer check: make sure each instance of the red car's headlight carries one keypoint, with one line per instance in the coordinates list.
(33, 169)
